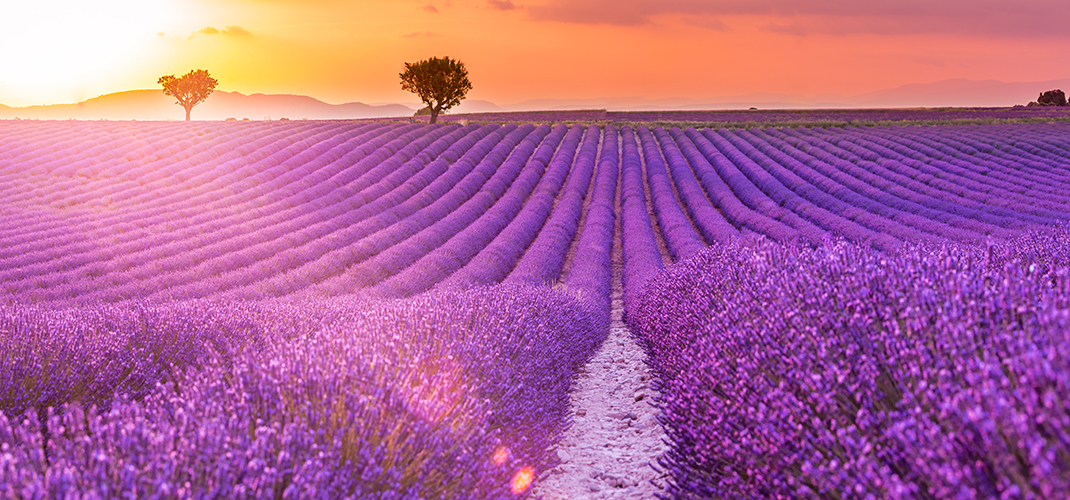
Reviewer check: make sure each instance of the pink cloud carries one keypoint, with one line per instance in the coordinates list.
(502, 4)
(430, 8)
(989, 18)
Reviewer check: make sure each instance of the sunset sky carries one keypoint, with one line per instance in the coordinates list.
(338, 51)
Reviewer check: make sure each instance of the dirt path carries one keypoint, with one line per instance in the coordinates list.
(615, 435)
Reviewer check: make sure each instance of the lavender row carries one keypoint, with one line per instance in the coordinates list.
(711, 224)
(170, 158)
(639, 246)
(286, 236)
(856, 218)
(678, 230)
(972, 179)
(500, 256)
(318, 225)
(150, 214)
(916, 166)
(157, 254)
(404, 244)
(305, 239)
(1016, 172)
(793, 192)
(542, 262)
(591, 272)
(812, 222)
(701, 157)
(415, 197)
(1024, 167)
(843, 371)
(336, 207)
(54, 356)
(466, 243)
(964, 215)
(905, 211)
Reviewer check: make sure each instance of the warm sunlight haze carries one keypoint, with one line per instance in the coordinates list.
(58, 51)
(535, 249)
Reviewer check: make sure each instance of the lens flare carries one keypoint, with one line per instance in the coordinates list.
(522, 480)
(500, 456)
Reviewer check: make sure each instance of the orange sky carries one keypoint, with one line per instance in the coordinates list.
(515, 50)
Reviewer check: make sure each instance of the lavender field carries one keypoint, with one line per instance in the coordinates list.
(396, 310)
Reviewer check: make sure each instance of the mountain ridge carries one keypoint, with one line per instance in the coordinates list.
(154, 105)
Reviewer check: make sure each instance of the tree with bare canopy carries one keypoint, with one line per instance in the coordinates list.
(440, 83)
(190, 89)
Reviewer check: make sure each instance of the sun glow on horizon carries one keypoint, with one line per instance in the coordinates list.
(71, 50)
(61, 51)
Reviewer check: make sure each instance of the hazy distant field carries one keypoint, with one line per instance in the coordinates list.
(329, 308)
(771, 117)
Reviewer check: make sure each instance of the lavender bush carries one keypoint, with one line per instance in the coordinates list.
(446, 395)
(845, 372)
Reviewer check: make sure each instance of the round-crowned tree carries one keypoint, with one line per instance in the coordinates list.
(189, 89)
(441, 83)
(1052, 98)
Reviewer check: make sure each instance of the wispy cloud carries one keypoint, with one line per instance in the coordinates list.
(706, 22)
(1022, 18)
(429, 8)
(236, 31)
(617, 12)
(421, 34)
(228, 31)
(501, 4)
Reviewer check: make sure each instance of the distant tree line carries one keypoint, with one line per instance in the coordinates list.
(1050, 98)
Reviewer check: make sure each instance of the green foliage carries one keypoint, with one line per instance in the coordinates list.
(441, 83)
(190, 89)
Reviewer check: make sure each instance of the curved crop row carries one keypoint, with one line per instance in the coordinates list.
(133, 211)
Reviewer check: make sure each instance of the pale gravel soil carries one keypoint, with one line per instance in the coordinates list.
(615, 436)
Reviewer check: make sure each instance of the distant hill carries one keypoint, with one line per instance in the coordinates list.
(946, 93)
(475, 106)
(154, 105)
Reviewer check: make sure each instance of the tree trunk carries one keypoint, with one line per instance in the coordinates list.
(434, 115)
(187, 112)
